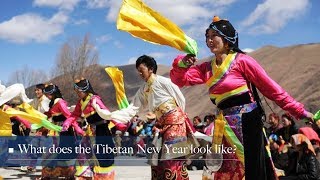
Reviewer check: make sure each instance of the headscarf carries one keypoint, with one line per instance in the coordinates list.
(54, 91)
(225, 29)
(298, 139)
(275, 138)
(51, 89)
(309, 133)
(83, 85)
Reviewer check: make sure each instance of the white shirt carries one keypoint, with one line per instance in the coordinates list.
(161, 90)
(43, 104)
(152, 94)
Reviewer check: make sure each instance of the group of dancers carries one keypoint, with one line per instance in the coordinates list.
(232, 78)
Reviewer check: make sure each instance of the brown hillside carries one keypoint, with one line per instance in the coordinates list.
(295, 68)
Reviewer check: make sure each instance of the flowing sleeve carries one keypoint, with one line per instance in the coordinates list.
(99, 102)
(125, 114)
(184, 76)
(100, 108)
(254, 73)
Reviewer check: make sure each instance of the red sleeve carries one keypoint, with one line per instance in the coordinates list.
(77, 110)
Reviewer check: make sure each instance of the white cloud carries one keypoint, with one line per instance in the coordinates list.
(132, 60)
(195, 16)
(32, 27)
(114, 7)
(103, 38)
(95, 4)
(247, 50)
(155, 55)
(158, 55)
(188, 10)
(272, 15)
(61, 4)
(81, 22)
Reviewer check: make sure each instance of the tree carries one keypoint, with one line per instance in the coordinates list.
(73, 62)
(28, 77)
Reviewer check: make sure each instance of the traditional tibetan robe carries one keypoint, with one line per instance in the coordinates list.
(229, 87)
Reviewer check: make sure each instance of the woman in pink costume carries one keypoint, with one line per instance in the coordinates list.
(92, 110)
(230, 76)
(58, 113)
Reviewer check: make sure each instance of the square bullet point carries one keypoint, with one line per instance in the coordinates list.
(11, 150)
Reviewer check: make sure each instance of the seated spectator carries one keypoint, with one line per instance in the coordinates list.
(197, 124)
(279, 153)
(132, 125)
(289, 127)
(139, 127)
(118, 140)
(311, 135)
(209, 121)
(127, 142)
(275, 125)
(307, 166)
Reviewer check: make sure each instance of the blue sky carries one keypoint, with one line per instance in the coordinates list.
(33, 31)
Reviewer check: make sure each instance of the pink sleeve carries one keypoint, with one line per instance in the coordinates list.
(187, 76)
(71, 119)
(75, 114)
(256, 74)
(99, 102)
(62, 104)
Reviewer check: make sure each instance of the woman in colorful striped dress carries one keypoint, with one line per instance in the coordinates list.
(90, 108)
(229, 77)
(58, 113)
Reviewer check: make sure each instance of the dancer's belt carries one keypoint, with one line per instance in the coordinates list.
(245, 108)
(165, 107)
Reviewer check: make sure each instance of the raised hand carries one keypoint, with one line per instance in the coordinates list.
(189, 60)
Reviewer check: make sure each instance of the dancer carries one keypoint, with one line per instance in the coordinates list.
(95, 125)
(160, 96)
(230, 76)
(42, 102)
(58, 113)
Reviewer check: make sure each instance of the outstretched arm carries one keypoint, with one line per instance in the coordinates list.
(13, 91)
(123, 116)
(256, 74)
